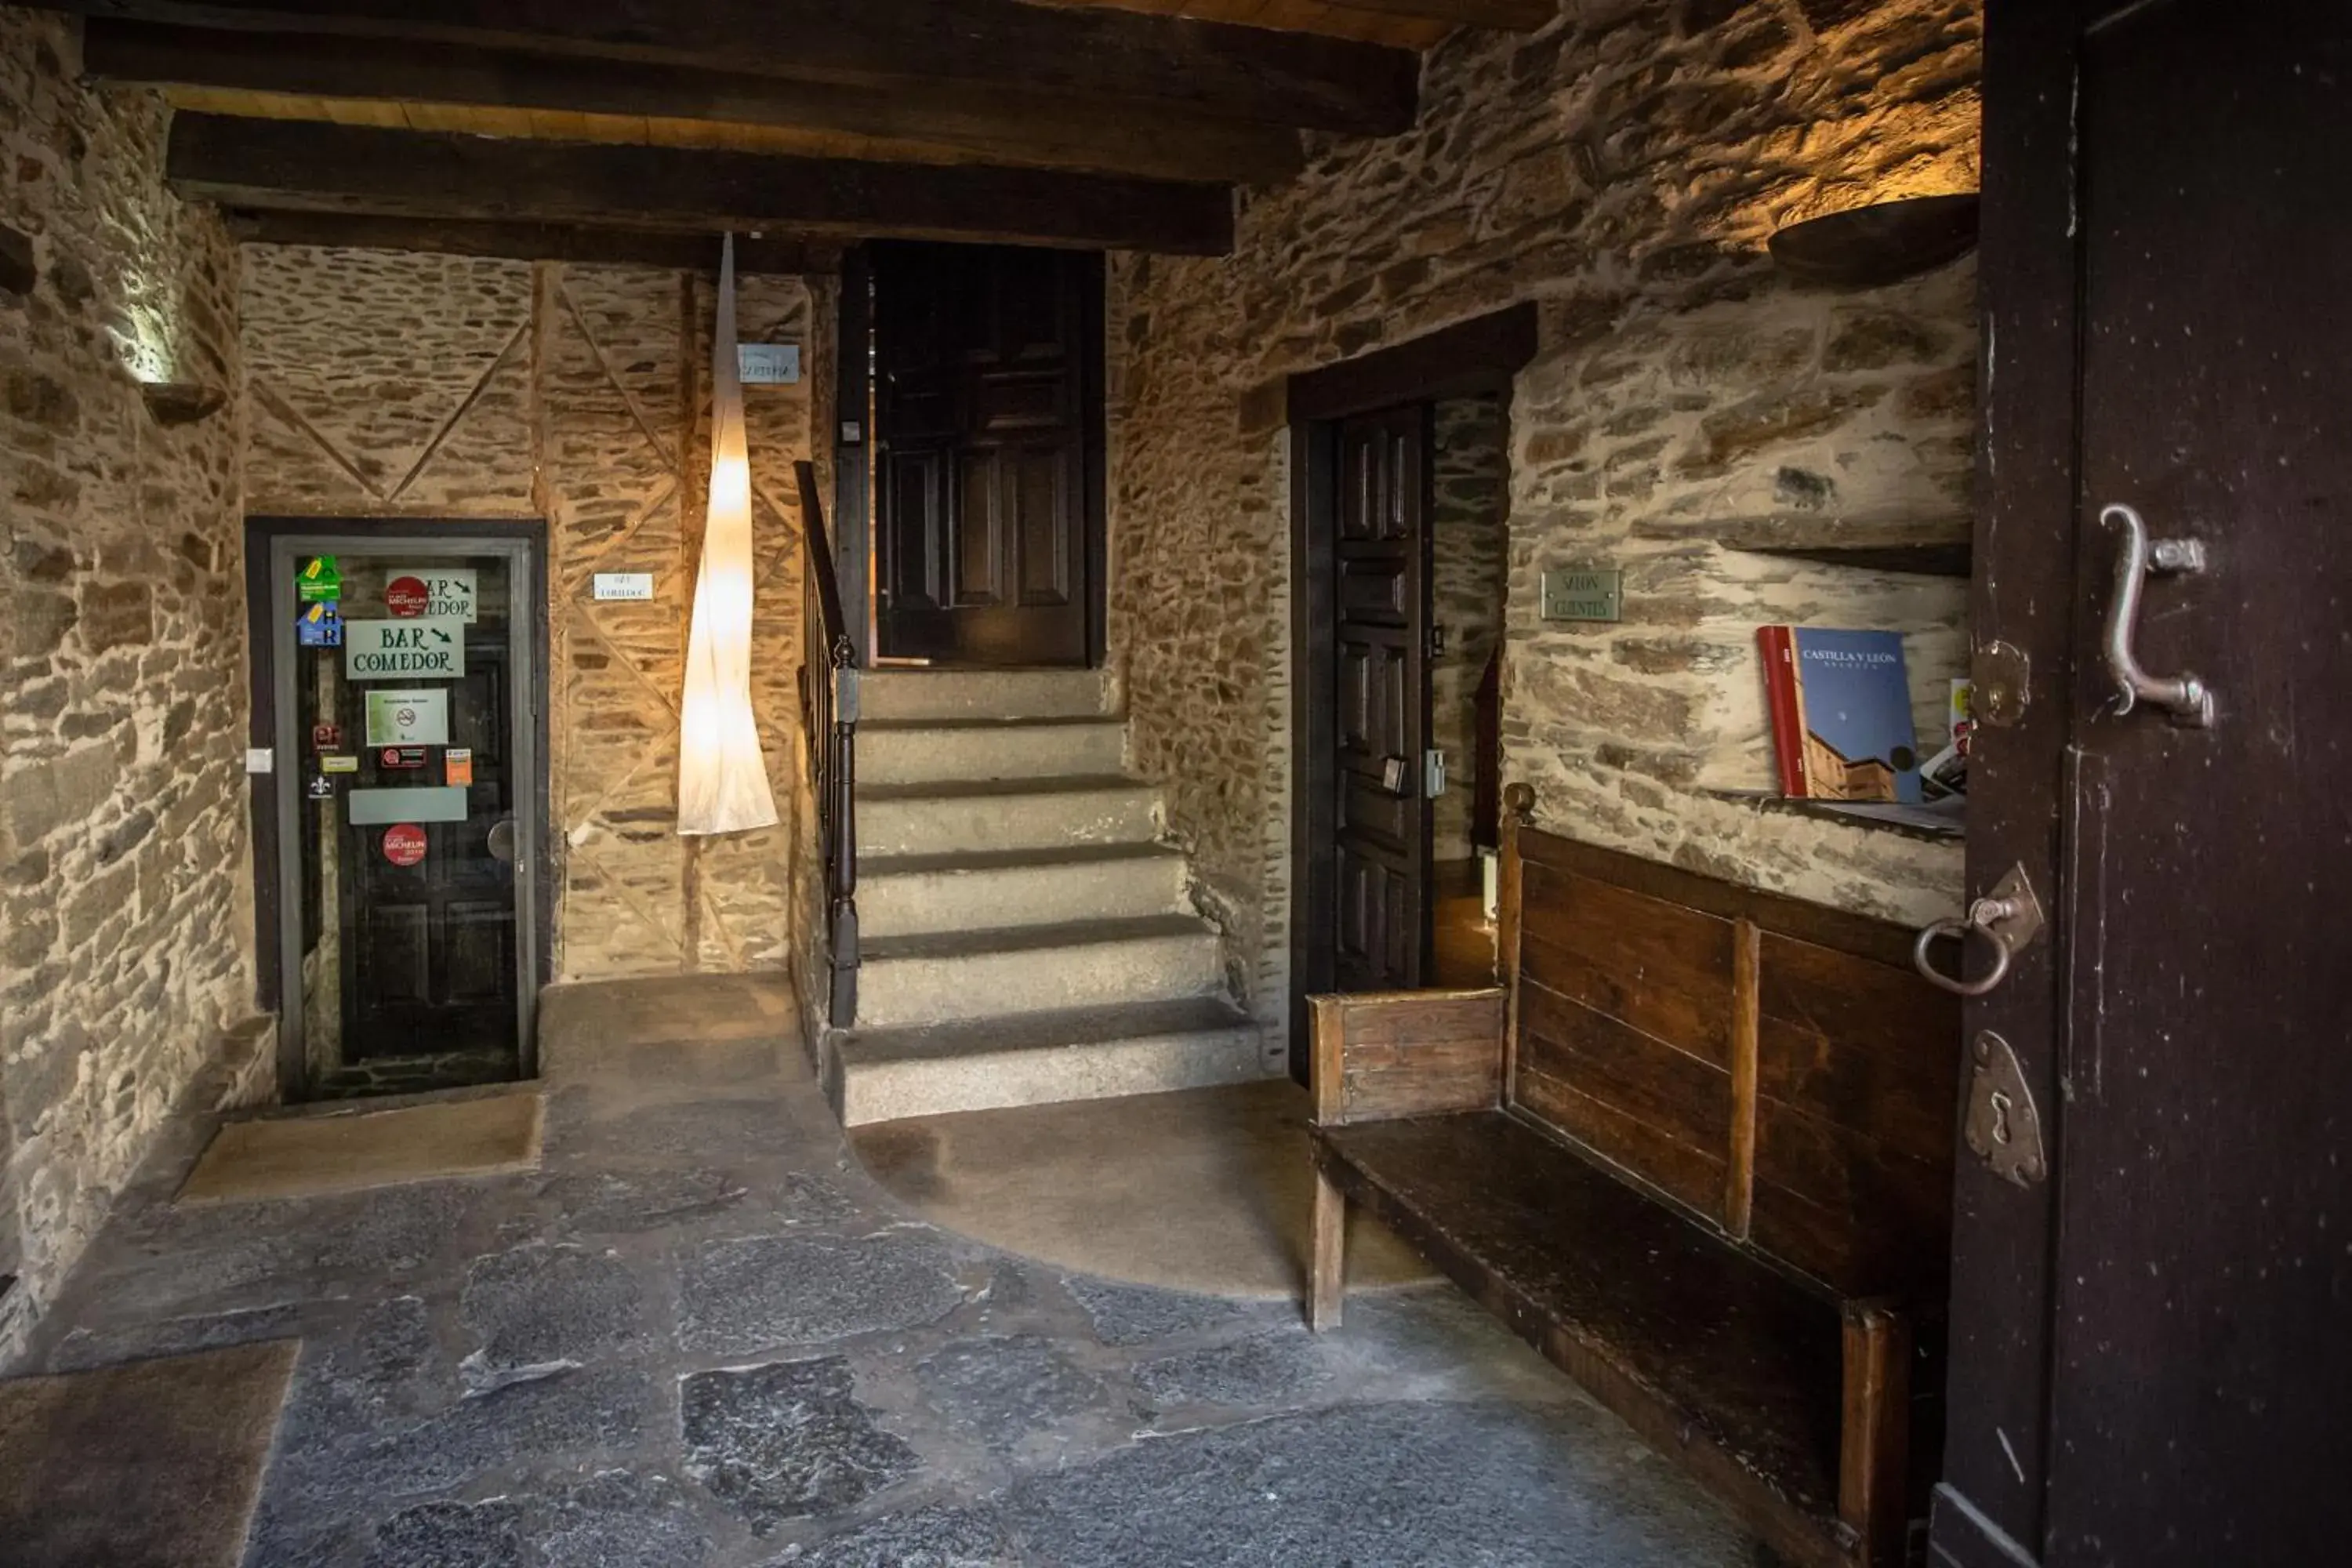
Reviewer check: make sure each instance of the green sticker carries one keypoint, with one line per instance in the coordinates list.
(320, 581)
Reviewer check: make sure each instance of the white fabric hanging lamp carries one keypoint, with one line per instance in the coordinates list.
(722, 777)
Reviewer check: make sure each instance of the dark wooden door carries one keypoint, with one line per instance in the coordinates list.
(430, 949)
(988, 409)
(1382, 591)
(2153, 1349)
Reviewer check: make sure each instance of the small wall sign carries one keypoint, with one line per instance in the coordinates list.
(1584, 594)
(431, 646)
(458, 766)
(437, 591)
(402, 756)
(322, 787)
(768, 364)
(408, 718)
(342, 762)
(403, 844)
(326, 736)
(625, 584)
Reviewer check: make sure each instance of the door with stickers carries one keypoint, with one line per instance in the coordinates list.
(407, 812)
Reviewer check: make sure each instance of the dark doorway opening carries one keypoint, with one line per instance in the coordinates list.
(1369, 646)
(987, 467)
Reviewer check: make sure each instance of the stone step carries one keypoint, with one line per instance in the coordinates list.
(901, 751)
(1004, 815)
(1098, 1053)
(911, 895)
(949, 976)
(886, 695)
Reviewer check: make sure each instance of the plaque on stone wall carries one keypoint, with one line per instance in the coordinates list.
(1584, 594)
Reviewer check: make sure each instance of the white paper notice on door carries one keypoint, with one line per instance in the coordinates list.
(433, 647)
(419, 717)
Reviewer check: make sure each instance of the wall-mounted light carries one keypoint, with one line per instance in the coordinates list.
(722, 778)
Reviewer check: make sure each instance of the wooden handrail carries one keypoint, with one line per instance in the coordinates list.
(829, 718)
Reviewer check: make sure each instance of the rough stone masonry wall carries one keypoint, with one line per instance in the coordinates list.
(1624, 168)
(383, 383)
(125, 914)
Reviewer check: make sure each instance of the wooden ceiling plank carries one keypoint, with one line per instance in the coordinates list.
(280, 165)
(535, 242)
(1114, 57)
(1501, 15)
(961, 125)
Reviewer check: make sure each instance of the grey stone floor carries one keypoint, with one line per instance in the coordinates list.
(699, 1336)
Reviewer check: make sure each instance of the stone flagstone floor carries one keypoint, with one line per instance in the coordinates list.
(699, 1336)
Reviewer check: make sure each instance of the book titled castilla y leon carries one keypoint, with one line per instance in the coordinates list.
(1841, 706)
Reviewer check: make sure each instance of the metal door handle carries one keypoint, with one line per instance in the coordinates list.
(2010, 916)
(2184, 697)
(502, 840)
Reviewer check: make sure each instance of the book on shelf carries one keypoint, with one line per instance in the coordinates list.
(1841, 710)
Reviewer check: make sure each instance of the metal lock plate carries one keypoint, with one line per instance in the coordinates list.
(1998, 694)
(2003, 1127)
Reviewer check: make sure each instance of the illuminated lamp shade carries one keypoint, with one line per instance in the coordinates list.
(722, 779)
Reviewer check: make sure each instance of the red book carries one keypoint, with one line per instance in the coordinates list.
(1778, 646)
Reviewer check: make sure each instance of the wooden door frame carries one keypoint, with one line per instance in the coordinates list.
(264, 614)
(1990, 1504)
(1481, 356)
(857, 512)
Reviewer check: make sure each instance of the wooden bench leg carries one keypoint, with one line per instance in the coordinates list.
(1874, 1458)
(1329, 1270)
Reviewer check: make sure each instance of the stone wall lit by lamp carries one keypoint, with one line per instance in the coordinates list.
(722, 778)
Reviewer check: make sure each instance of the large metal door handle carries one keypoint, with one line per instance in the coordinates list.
(2184, 697)
(2010, 916)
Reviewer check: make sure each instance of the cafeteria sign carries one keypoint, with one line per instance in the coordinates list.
(428, 645)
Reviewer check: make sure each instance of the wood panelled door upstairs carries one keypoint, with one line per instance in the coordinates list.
(988, 412)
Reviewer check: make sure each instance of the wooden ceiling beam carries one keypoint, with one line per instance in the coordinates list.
(1501, 15)
(949, 125)
(683, 251)
(1146, 63)
(289, 165)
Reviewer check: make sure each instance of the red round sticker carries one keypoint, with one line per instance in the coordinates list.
(406, 596)
(403, 844)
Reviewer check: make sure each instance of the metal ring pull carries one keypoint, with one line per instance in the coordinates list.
(1959, 931)
(2009, 917)
(2184, 697)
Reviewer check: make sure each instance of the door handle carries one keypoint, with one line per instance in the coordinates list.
(2010, 916)
(2184, 697)
(502, 840)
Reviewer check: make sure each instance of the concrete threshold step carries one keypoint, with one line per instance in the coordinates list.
(972, 974)
(919, 751)
(907, 895)
(1004, 815)
(1041, 1058)
(980, 694)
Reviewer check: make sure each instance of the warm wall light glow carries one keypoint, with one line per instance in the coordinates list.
(722, 779)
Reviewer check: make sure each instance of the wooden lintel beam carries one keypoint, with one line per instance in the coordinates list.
(1501, 15)
(1147, 63)
(286, 165)
(944, 125)
(535, 241)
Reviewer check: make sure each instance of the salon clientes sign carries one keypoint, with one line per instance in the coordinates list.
(430, 647)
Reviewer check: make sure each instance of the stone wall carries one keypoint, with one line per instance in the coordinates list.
(1469, 486)
(1624, 168)
(389, 385)
(125, 903)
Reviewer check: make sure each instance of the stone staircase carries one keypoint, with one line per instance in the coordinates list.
(1025, 937)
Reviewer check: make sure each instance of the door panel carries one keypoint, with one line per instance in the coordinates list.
(1382, 821)
(989, 369)
(2150, 1357)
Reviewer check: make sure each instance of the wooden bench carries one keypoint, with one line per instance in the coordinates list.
(1697, 1149)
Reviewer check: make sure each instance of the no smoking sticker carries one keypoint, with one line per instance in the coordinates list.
(403, 844)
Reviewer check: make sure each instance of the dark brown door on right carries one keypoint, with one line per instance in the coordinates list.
(988, 400)
(2152, 1363)
(1383, 592)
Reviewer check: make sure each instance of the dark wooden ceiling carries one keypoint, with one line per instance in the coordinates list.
(603, 129)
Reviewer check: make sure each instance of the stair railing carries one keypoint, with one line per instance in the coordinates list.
(829, 722)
